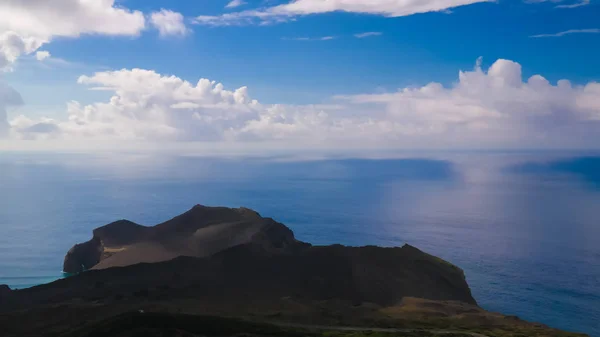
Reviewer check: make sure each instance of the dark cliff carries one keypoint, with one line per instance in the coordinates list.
(239, 251)
(233, 262)
(200, 232)
(5, 291)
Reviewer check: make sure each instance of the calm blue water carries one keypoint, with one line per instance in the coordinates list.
(525, 227)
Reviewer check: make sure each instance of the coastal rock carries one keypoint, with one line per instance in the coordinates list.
(83, 256)
(5, 291)
(6, 296)
(238, 250)
(199, 232)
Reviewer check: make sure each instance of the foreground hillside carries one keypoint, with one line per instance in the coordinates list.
(165, 280)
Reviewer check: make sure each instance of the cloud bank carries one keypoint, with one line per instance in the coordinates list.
(483, 108)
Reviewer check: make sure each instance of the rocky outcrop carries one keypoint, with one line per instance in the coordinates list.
(242, 255)
(83, 256)
(5, 291)
(87, 255)
(199, 232)
(241, 250)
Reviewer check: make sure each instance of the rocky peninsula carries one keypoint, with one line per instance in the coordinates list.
(175, 278)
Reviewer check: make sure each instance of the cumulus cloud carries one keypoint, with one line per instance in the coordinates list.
(13, 45)
(146, 105)
(289, 11)
(483, 108)
(25, 25)
(569, 32)
(69, 18)
(168, 23)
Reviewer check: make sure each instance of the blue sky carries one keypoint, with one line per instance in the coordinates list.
(311, 59)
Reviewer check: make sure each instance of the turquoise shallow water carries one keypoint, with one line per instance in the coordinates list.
(525, 227)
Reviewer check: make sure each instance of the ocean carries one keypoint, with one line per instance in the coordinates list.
(525, 226)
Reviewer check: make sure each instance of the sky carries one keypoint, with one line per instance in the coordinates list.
(299, 75)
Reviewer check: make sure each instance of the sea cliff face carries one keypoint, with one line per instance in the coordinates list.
(234, 262)
(83, 256)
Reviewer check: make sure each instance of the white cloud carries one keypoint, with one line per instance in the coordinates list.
(493, 108)
(569, 32)
(146, 105)
(235, 3)
(25, 25)
(322, 38)
(168, 23)
(367, 34)
(575, 5)
(42, 55)
(572, 5)
(13, 45)
(69, 18)
(289, 11)
(185, 105)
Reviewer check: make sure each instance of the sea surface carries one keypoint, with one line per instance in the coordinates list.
(525, 226)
